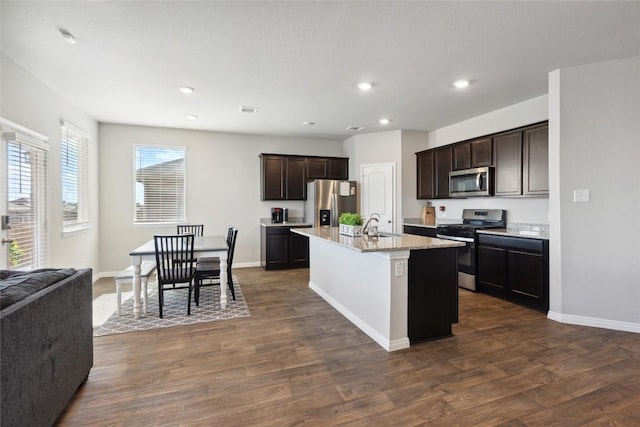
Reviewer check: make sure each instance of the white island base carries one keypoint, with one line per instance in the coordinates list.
(365, 288)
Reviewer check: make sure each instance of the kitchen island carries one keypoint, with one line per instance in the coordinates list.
(398, 289)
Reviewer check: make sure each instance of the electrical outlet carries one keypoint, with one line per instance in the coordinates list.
(399, 269)
(581, 195)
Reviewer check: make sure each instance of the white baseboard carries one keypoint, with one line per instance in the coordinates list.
(389, 345)
(595, 322)
(246, 264)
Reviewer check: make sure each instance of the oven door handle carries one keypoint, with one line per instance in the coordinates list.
(458, 239)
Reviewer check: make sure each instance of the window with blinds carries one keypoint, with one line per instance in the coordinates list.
(26, 201)
(74, 169)
(159, 184)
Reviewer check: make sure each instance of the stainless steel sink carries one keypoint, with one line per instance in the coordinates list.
(385, 234)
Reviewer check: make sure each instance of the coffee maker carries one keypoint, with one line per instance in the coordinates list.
(277, 215)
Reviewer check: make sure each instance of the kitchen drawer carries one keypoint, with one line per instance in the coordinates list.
(511, 242)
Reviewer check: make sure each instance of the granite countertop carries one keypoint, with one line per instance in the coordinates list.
(510, 232)
(294, 222)
(403, 242)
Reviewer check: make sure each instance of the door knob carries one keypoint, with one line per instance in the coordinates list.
(5, 241)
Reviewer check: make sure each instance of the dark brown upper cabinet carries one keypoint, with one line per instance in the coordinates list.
(462, 156)
(285, 177)
(507, 159)
(317, 168)
(472, 154)
(339, 168)
(442, 160)
(327, 168)
(433, 167)
(425, 184)
(481, 152)
(521, 160)
(295, 179)
(519, 156)
(272, 177)
(535, 161)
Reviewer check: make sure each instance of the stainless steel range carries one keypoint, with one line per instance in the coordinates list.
(472, 220)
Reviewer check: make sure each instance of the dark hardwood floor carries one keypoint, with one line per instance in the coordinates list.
(296, 361)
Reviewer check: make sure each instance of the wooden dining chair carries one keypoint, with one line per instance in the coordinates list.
(215, 258)
(195, 229)
(170, 274)
(210, 270)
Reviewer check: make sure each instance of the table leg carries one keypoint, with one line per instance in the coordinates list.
(136, 288)
(223, 281)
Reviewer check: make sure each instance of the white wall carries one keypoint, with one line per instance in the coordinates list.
(30, 103)
(377, 148)
(223, 185)
(523, 210)
(594, 131)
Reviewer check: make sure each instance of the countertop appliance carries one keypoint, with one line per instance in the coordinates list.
(277, 215)
(327, 199)
(471, 182)
(472, 220)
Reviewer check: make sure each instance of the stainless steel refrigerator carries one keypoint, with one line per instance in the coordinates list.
(327, 199)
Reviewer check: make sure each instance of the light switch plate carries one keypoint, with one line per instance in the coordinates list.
(581, 195)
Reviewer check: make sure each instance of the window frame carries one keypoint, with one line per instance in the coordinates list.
(70, 133)
(180, 218)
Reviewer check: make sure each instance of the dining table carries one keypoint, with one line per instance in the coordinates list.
(203, 246)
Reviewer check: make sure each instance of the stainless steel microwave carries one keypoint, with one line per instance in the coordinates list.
(471, 182)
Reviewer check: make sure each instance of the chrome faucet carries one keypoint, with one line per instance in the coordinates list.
(365, 228)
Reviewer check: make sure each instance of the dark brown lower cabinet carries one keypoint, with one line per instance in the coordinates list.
(432, 294)
(280, 248)
(514, 268)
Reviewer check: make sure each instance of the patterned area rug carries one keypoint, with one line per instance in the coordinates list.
(175, 310)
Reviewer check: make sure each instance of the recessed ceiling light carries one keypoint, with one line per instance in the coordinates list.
(384, 121)
(308, 123)
(248, 109)
(187, 89)
(365, 85)
(192, 117)
(355, 128)
(67, 36)
(460, 84)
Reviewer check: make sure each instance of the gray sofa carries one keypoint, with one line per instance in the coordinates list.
(46, 349)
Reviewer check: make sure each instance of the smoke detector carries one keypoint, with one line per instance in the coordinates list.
(248, 109)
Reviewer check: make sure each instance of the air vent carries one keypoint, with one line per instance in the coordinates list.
(248, 109)
(355, 128)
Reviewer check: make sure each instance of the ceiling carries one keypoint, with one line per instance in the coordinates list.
(301, 61)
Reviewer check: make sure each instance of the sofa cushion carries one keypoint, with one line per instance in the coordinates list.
(17, 285)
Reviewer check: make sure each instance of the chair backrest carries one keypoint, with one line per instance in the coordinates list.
(195, 229)
(230, 235)
(170, 248)
(232, 248)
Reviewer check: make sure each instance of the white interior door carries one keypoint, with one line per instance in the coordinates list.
(378, 195)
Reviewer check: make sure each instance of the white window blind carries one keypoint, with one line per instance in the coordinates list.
(159, 184)
(26, 200)
(74, 168)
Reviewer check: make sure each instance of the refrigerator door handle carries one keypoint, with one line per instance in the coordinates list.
(334, 209)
